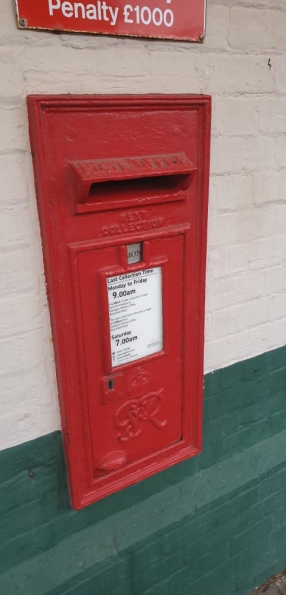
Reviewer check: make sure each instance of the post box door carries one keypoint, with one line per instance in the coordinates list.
(135, 407)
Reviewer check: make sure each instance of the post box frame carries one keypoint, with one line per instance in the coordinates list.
(84, 487)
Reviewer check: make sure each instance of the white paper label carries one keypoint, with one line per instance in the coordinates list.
(134, 253)
(135, 315)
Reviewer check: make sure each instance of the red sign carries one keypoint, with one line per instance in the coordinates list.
(165, 19)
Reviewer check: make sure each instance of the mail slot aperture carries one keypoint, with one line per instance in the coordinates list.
(118, 183)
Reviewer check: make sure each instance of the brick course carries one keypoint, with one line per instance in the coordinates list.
(215, 523)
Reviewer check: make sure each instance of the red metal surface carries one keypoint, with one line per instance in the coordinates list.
(94, 187)
(123, 423)
(183, 19)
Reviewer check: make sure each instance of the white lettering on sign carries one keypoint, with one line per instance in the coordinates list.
(97, 12)
(101, 11)
(144, 15)
(135, 315)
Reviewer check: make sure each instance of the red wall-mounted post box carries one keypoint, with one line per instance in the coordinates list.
(122, 186)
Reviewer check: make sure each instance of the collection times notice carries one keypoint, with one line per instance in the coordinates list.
(135, 315)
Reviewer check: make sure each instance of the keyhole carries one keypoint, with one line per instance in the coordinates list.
(110, 384)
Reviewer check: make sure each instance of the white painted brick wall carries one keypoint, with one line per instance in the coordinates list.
(246, 269)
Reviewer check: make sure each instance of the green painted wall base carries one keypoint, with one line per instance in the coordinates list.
(214, 525)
